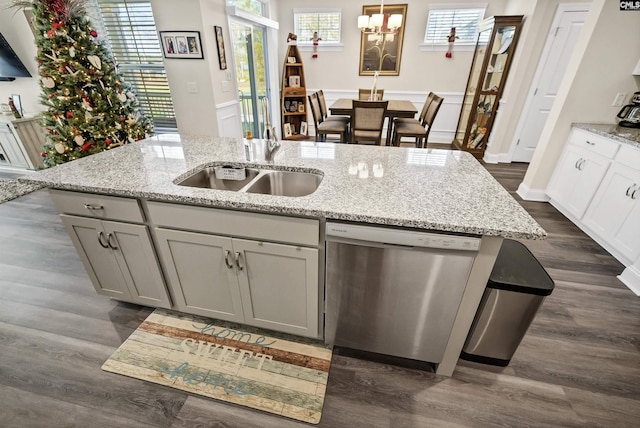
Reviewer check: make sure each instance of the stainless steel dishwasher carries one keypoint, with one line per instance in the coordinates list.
(393, 291)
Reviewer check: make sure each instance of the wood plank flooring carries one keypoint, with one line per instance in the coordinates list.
(579, 364)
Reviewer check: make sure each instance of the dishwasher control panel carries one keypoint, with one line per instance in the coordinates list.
(383, 235)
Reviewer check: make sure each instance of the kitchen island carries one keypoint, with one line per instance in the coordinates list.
(416, 189)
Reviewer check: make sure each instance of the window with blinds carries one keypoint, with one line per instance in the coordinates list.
(325, 21)
(136, 49)
(441, 21)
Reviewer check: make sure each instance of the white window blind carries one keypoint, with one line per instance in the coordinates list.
(441, 21)
(256, 7)
(325, 21)
(135, 46)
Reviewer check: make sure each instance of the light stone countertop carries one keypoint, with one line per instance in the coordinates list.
(630, 136)
(415, 188)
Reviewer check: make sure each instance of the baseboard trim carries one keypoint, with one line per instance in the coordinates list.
(528, 194)
(631, 278)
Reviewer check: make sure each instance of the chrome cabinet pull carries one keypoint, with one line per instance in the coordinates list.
(101, 240)
(112, 245)
(633, 194)
(629, 190)
(238, 259)
(93, 207)
(590, 143)
(227, 253)
(576, 165)
(580, 164)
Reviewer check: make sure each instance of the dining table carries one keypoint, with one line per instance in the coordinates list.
(395, 108)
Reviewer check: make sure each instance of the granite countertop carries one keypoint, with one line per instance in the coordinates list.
(417, 188)
(624, 135)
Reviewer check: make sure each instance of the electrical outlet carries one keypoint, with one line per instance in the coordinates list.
(619, 99)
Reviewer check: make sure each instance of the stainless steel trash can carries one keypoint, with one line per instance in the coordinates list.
(517, 286)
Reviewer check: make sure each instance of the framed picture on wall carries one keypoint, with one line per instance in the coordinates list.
(181, 44)
(222, 57)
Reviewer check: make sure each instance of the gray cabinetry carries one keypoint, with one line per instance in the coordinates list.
(216, 271)
(118, 256)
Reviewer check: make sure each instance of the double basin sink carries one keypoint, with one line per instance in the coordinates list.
(255, 180)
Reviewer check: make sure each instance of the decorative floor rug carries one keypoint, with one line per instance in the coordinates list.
(228, 362)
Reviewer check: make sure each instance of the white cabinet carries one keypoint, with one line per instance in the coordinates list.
(580, 170)
(214, 270)
(119, 257)
(10, 150)
(614, 214)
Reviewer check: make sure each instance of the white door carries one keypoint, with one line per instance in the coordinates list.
(556, 54)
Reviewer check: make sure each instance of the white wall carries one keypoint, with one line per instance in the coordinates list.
(191, 80)
(610, 41)
(419, 71)
(15, 29)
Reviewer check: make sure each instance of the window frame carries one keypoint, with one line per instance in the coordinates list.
(307, 45)
(460, 45)
(147, 71)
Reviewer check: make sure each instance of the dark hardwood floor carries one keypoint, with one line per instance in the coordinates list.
(579, 364)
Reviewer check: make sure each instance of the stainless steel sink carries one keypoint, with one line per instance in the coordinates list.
(286, 183)
(263, 181)
(206, 179)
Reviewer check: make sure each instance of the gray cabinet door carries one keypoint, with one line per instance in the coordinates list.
(89, 238)
(200, 272)
(137, 260)
(279, 286)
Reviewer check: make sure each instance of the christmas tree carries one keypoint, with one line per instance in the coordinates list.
(89, 107)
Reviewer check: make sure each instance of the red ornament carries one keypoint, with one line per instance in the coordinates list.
(108, 141)
(93, 33)
(87, 146)
(43, 154)
(69, 115)
(122, 118)
(62, 69)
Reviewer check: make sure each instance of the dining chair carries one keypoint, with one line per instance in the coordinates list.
(367, 121)
(325, 114)
(365, 94)
(420, 130)
(324, 128)
(420, 118)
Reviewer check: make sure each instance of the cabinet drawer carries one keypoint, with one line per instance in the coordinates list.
(97, 206)
(594, 142)
(257, 226)
(629, 156)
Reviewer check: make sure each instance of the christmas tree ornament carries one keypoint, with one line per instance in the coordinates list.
(59, 148)
(69, 115)
(121, 97)
(72, 52)
(48, 82)
(78, 140)
(95, 61)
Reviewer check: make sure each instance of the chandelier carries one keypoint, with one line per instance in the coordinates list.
(376, 22)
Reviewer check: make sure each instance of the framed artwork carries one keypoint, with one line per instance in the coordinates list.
(303, 128)
(287, 130)
(382, 51)
(294, 81)
(222, 57)
(301, 107)
(181, 44)
(291, 59)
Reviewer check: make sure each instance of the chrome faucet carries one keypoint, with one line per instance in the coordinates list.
(269, 136)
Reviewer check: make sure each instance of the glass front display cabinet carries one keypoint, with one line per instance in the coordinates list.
(497, 39)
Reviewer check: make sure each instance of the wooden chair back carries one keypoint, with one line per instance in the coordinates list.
(315, 109)
(367, 120)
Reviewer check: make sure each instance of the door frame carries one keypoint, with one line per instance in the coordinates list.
(271, 27)
(560, 11)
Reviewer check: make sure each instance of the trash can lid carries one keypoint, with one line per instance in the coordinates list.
(516, 269)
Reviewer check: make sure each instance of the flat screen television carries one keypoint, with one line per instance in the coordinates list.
(10, 65)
